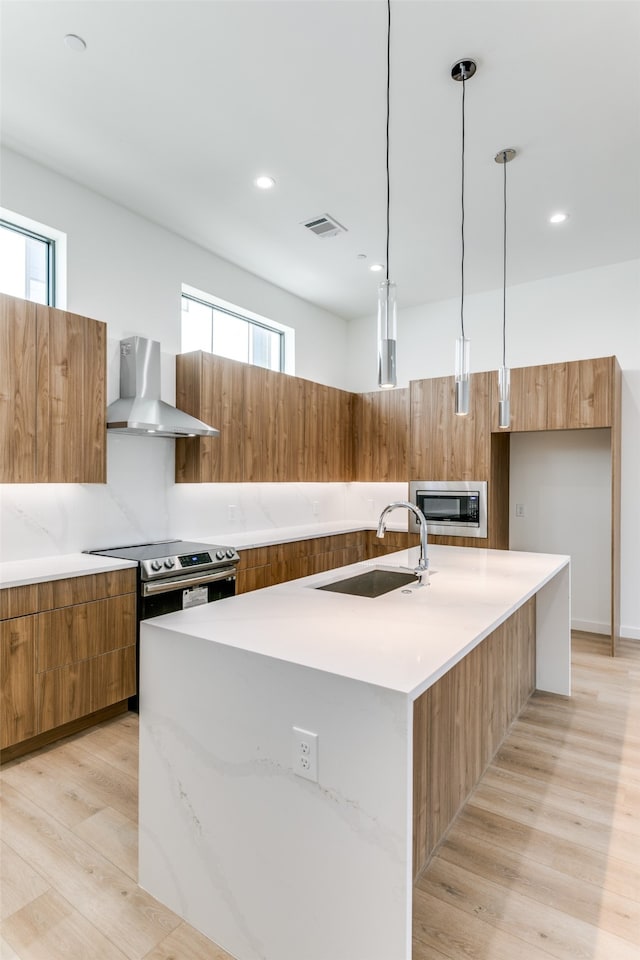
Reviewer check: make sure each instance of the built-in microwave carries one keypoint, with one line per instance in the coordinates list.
(453, 508)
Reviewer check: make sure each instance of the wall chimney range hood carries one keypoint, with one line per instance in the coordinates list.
(140, 411)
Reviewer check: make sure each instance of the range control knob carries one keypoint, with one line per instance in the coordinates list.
(155, 564)
(231, 553)
(169, 563)
(219, 554)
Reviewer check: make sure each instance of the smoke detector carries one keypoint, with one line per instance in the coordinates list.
(324, 226)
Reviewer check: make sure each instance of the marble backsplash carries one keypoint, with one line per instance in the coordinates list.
(140, 502)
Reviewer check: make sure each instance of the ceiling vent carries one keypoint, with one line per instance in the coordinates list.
(324, 226)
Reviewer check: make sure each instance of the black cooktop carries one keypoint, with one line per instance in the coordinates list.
(163, 548)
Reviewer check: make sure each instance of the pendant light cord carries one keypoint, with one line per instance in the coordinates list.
(388, 78)
(462, 222)
(504, 265)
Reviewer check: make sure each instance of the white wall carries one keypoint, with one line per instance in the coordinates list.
(593, 313)
(128, 271)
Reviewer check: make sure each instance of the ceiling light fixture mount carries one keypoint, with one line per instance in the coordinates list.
(504, 374)
(462, 70)
(75, 43)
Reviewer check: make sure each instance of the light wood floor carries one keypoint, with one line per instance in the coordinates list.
(544, 860)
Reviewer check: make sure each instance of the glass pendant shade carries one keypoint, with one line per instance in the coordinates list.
(504, 398)
(462, 376)
(387, 335)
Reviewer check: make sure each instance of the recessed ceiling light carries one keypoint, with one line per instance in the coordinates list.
(265, 183)
(361, 256)
(376, 267)
(75, 43)
(558, 217)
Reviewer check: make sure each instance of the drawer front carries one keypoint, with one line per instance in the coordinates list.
(18, 601)
(96, 586)
(86, 630)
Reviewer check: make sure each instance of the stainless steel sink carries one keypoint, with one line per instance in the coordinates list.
(373, 583)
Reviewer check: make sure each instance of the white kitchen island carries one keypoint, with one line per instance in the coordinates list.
(271, 865)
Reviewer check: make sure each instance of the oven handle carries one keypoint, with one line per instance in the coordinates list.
(183, 583)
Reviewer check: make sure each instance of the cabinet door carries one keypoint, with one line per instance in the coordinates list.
(381, 435)
(443, 445)
(328, 442)
(17, 707)
(579, 394)
(71, 399)
(84, 630)
(211, 388)
(528, 399)
(17, 390)
(273, 426)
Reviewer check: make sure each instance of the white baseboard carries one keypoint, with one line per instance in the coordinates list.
(594, 626)
(590, 626)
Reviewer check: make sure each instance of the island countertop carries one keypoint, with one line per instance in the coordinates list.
(402, 641)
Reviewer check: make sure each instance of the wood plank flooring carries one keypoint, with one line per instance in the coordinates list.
(543, 861)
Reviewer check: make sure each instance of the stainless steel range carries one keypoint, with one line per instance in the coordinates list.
(175, 575)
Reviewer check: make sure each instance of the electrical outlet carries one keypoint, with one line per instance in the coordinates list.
(519, 509)
(231, 511)
(315, 507)
(305, 753)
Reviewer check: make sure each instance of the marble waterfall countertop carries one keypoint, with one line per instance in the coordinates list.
(17, 573)
(402, 641)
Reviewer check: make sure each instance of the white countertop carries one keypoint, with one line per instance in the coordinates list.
(17, 573)
(399, 641)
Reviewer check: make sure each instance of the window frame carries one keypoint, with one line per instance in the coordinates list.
(254, 320)
(51, 255)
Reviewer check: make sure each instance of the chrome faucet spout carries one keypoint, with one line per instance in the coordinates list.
(423, 562)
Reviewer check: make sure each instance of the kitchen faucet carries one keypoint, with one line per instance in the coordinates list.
(421, 571)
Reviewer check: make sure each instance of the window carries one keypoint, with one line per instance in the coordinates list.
(218, 327)
(27, 265)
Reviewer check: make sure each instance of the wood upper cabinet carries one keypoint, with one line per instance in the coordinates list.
(574, 395)
(381, 435)
(444, 446)
(273, 427)
(211, 389)
(17, 390)
(328, 446)
(52, 395)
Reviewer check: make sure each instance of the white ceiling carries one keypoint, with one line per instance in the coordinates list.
(175, 106)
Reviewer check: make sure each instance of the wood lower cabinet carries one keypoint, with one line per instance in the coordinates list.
(17, 669)
(72, 652)
(52, 395)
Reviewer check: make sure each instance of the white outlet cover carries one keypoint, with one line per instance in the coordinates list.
(304, 753)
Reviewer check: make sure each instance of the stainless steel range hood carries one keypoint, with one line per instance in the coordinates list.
(140, 411)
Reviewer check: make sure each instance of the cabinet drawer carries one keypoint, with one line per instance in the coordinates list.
(96, 586)
(18, 601)
(79, 689)
(85, 630)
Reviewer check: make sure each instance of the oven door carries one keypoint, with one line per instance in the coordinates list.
(170, 594)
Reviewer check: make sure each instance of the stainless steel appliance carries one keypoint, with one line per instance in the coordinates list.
(453, 508)
(175, 575)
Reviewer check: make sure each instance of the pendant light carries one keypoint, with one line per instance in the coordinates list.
(387, 321)
(504, 374)
(462, 71)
